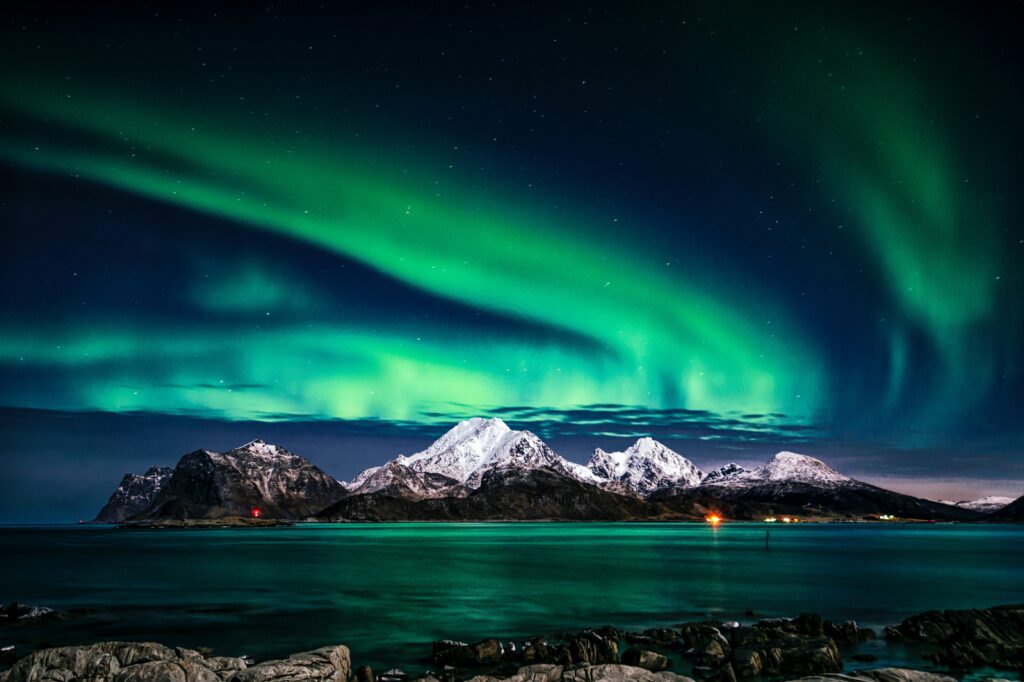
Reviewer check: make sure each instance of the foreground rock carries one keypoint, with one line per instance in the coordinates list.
(150, 662)
(882, 675)
(770, 647)
(968, 638)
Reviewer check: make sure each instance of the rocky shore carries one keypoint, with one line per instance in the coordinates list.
(805, 648)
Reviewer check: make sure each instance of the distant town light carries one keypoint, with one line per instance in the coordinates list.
(256, 513)
(713, 519)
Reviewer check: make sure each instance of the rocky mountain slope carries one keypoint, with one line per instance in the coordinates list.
(794, 484)
(256, 476)
(504, 493)
(644, 467)
(134, 494)
(398, 480)
(1011, 513)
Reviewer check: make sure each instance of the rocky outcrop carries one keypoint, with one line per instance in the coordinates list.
(968, 638)
(329, 664)
(504, 493)
(150, 662)
(770, 647)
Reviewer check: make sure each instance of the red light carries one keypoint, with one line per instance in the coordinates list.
(256, 512)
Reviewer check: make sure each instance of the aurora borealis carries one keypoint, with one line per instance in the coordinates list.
(735, 228)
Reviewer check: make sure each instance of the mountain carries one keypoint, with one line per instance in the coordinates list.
(475, 446)
(398, 480)
(1011, 513)
(785, 468)
(794, 484)
(504, 493)
(134, 494)
(723, 473)
(985, 505)
(256, 476)
(644, 467)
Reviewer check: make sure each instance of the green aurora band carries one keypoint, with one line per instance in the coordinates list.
(655, 339)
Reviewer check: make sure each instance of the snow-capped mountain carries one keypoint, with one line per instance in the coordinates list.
(644, 467)
(257, 475)
(134, 494)
(986, 505)
(723, 473)
(475, 446)
(783, 468)
(399, 480)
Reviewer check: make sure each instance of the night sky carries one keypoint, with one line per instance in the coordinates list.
(345, 227)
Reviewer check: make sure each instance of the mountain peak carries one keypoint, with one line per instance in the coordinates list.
(792, 466)
(645, 466)
(262, 448)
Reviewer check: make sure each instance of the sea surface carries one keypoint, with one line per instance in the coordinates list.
(388, 590)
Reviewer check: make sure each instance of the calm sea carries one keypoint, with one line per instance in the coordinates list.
(388, 590)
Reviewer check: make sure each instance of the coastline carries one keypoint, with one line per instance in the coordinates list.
(806, 647)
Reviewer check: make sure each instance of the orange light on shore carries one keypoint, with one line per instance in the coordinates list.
(713, 519)
(256, 513)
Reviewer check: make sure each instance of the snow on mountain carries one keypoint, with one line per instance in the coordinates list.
(785, 467)
(257, 475)
(399, 480)
(986, 505)
(134, 494)
(477, 445)
(724, 473)
(644, 467)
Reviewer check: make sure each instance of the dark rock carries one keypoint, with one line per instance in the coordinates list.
(483, 653)
(364, 673)
(592, 648)
(968, 638)
(393, 675)
(537, 650)
(847, 633)
(648, 660)
(706, 644)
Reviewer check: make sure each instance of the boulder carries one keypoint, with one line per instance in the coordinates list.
(537, 650)
(364, 673)
(327, 664)
(620, 673)
(648, 660)
(539, 672)
(483, 653)
(706, 644)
